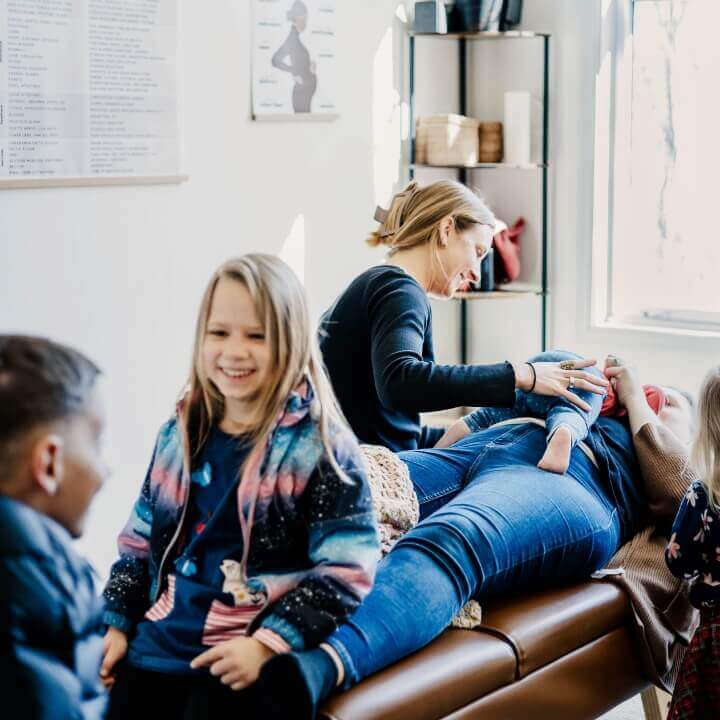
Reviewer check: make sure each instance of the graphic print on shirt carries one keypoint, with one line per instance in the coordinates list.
(224, 622)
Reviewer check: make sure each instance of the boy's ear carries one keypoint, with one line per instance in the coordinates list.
(47, 462)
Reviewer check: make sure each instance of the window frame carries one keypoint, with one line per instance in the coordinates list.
(611, 181)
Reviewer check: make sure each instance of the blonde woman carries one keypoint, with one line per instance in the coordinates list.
(694, 554)
(253, 533)
(376, 339)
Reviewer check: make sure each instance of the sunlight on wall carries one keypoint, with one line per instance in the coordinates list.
(293, 249)
(386, 119)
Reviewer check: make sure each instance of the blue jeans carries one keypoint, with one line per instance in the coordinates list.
(504, 525)
(556, 411)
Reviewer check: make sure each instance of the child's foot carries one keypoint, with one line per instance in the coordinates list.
(293, 685)
(557, 454)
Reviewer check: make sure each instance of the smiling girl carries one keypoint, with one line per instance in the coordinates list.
(253, 533)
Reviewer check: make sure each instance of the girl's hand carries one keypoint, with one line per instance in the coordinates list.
(457, 431)
(236, 662)
(551, 379)
(626, 382)
(115, 645)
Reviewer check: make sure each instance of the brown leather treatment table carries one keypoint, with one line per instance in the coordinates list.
(566, 654)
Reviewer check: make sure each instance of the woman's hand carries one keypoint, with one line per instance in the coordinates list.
(236, 662)
(115, 645)
(457, 431)
(552, 379)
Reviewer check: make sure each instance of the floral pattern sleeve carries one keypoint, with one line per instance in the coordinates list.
(693, 533)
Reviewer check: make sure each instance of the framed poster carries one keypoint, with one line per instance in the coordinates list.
(88, 93)
(294, 63)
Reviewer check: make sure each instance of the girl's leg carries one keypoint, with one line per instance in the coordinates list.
(209, 699)
(144, 695)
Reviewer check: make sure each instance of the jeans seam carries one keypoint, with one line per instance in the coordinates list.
(493, 443)
(435, 495)
(575, 540)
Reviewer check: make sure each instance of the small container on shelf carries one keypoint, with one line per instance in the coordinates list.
(446, 140)
(486, 283)
(479, 15)
(487, 272)
(491, 142)
(430, 17)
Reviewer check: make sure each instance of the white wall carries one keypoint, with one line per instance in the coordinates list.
(119, 271)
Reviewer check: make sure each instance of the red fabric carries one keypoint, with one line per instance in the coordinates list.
(507, 253)
(654, 394)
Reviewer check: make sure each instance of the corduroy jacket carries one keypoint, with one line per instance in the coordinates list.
(665, 619)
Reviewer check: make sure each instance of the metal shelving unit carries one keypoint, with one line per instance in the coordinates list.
(462, 40)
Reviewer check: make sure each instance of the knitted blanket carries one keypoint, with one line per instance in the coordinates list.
(397, 511)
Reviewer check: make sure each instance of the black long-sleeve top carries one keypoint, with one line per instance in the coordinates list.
(377, 346)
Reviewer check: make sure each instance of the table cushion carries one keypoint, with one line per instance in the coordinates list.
(454, 670)
(584, 684)
(544, 626)
(518, 638)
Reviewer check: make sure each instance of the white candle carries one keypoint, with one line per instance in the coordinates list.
(516, 128)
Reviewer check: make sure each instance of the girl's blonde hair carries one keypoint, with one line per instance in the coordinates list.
(705, 450)
(281, 307)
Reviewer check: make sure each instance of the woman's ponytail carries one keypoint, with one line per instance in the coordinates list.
(414, 215)
(392, 219)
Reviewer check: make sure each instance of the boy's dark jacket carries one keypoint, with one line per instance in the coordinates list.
(50, 622)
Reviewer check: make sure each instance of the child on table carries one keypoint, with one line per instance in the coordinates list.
(566, 423)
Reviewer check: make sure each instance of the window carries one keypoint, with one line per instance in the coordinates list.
(657, 250)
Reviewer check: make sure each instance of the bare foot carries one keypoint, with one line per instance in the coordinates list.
(557, 454)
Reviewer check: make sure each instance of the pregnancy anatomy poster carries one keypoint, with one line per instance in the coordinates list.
(295, 72)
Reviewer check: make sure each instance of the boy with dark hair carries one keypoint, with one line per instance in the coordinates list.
(51, 420)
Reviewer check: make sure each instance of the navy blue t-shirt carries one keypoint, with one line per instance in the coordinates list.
(376, 342)
(171, 635)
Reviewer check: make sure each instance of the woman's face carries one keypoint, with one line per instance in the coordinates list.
(460, 254)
